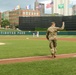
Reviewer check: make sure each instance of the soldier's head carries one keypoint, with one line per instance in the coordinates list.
(53, 24)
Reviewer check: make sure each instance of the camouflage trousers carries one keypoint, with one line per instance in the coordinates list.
(53, 45)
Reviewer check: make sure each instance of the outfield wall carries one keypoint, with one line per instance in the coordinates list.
(35, 32)
(31, 23)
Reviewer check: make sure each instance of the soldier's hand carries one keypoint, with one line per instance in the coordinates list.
(63, 23)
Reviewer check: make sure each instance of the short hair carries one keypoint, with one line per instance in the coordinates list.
(52, 23)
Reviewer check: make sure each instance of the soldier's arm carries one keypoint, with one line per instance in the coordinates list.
(58, 28)
(47, 35)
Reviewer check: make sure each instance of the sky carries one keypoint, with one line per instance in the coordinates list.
(6, 5)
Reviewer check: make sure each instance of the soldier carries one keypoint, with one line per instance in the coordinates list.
(51, 35)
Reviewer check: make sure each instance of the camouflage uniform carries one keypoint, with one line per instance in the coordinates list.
(51, 35)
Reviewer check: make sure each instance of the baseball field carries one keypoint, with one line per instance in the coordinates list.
(29, 46)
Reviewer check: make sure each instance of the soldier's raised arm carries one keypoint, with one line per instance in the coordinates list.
(63, 25)
(61, 28)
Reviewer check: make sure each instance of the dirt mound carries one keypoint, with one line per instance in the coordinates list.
(35, 58)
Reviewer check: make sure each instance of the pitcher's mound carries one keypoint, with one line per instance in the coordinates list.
(2, 43)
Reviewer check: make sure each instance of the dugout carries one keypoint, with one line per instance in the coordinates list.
(30, 23)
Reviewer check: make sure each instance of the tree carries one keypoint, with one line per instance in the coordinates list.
(5, 23)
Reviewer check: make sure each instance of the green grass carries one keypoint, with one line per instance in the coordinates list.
(49, 67)
(19, 46)
(65, 47)
(23, 47)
